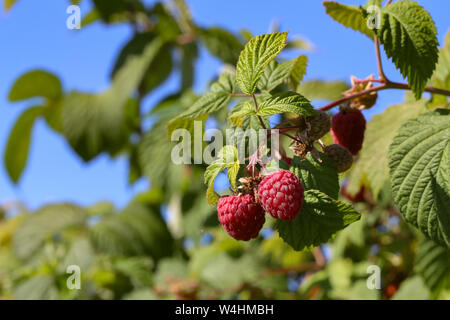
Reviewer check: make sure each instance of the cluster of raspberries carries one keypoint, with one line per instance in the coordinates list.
(280, 194)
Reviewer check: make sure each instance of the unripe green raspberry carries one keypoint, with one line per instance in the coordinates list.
(319, 125)
(340, 156)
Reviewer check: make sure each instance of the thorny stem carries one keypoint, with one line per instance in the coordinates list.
(384, 80)
(256, 110)
(379, 64)
(384, 86)
(318, 256)
(244, 95)
(289, 136)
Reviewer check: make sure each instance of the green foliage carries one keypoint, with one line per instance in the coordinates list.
(36, 83)
(227, 159)
(217, 98)
(319, 220)
(314, 175)
(419, 162)
(167, 243)
(40, 287)
(159, 68)
(277, 73)
(137, 230)
(349, 16)
(408, 35)
(256, 55)
(93, 123)
(322, 90)
(432, 264)
(222, 44)
(8, 4)
(412, 289)
(372, 167)
(19, 140)
(286, 102)
(47, 222)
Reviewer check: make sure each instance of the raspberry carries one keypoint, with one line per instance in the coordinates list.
(281, 194)
(319, 125)
(342, 158)
(347, 129)
(240, 216)
(358, 197)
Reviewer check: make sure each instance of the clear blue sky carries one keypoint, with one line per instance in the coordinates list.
(34, 35)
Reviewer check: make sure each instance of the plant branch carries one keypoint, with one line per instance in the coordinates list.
(256, 110)
(319, 257)
(289, 136)
(379, 64)
(384, 86)
(353, 96)
(244, 95)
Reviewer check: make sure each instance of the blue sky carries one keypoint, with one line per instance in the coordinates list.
(34, 35)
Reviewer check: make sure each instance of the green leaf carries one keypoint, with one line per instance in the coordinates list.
(222, 44)
(349, 16)
(299, 44)
(90, 17)
(240, 111)
(408, 35)
(189, 54)
(214, 100)
(154, 150)
(110, 9)
(216, 271)
(412, 289)
(227, 159)
(322, 90)
(318, 221)
(136, 231)
(46, 222)
(286, 102)
(276, 73)
(314, 175)
(16, 153)
(96, 123)
(39, 287)
(158, 70)
(432, 263)
(256, 55)
(8, 4)
(419, 162)
(166, 26)
(298, 71)
(441, 76)
(183, 123)
(380, 131)
(36, 83)
(442, 73)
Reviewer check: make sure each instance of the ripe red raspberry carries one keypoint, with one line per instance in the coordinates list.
(241, 216)
(281, 194)
(347, 129)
